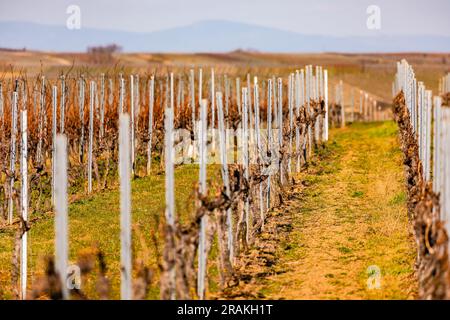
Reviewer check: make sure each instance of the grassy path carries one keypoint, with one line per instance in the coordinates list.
(351, 215)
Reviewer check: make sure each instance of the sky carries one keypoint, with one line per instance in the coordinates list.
(325, 17)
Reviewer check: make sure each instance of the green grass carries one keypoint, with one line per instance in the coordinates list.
(94, 222)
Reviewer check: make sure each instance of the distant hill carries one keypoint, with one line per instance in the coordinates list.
(208, 36)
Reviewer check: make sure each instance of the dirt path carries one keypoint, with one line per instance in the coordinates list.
(349, 214)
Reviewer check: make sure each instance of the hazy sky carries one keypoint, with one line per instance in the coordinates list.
(330, 17)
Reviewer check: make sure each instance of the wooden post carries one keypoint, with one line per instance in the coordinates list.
(81, 113)
(201, 274)
(24, 199)
(61, 212)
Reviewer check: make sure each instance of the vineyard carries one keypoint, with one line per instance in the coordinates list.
(222, 182)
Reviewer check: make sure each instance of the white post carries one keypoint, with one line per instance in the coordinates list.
(325, 98)
(269, 137)
(280, 125)
(203, 190)
(192, 104)
(151, 98)
(436, 145)
(225, 174)
(170, 178)
(125, 206)
(55, 106)
(132, 94)
(61, 212)
(12, 166)
(102, 105)
(24, 199)
(91, 134)
(63, 104)
(245, 155)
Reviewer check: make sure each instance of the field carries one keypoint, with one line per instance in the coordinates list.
(333, 221)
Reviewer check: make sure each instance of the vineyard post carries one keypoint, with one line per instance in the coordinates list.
(132, 96)
(269, 137)
(259, 150)
(238, 95)
(137, 108)
(366, 102)
(227, 97)
(125, 206)
(316, 98)
(12, 154)
(414, 105)
(428, 134)
(291, 119)
(41, 120)
(91, 134)
(54, 108)
(200, 85)
(280, 129)
(213, 110)
(297, 115)
(111, 92)
(436, 145)
(225, 173)
(325, 98)
(308, 105)
(81, 111)
(63, 102)
(121, 94)
(445, 163)
(192, 105)
(170, 182)
(352, 103)
(151, 98)
(61, 212)
(102, 105)
(275, 101)
(245, 157)
(24, 198)
(249, 110)
(341, 98)
(203, 159)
